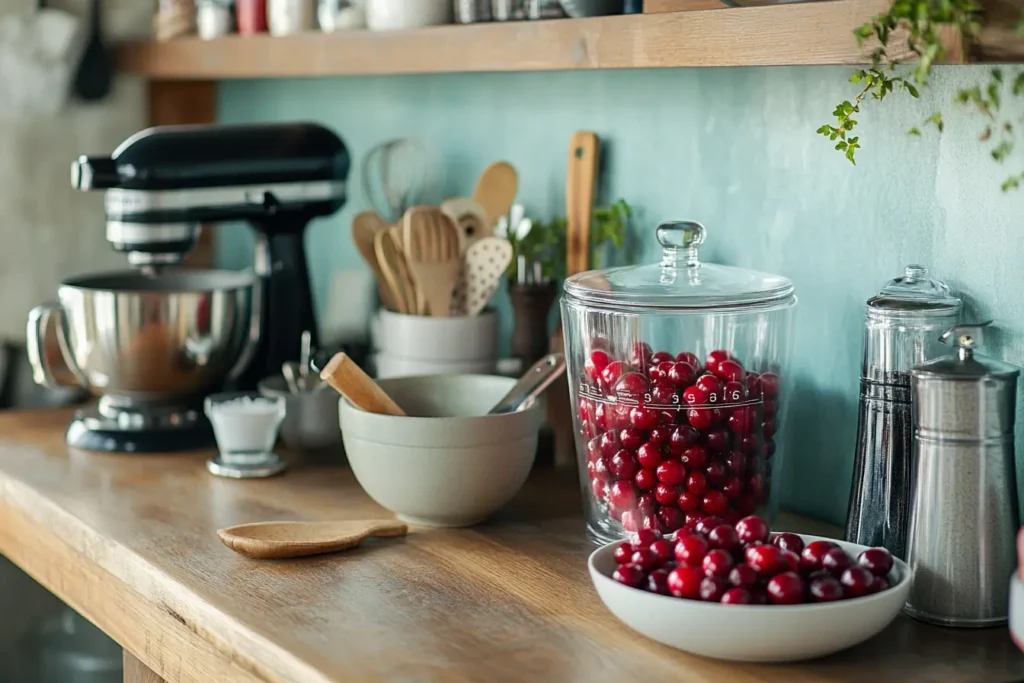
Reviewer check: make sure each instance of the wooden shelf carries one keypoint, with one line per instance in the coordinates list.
(802, 33)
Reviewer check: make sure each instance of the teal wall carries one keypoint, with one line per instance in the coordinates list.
(736, 150)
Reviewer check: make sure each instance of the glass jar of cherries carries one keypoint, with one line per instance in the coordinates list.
(677, 377)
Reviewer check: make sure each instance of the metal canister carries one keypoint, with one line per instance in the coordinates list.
(472, 11)
(902, 327)
(964, 513)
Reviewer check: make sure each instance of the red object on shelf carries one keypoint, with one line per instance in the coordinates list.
(251, 16)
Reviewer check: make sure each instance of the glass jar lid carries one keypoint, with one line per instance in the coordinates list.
(680, 280)
(915, 292)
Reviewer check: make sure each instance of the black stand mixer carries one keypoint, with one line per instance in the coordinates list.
(161, 185)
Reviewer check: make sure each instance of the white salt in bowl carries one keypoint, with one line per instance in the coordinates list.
(245, 423)
(446, 463)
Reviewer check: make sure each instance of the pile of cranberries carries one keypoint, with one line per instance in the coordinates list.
(745, 565)
(670, 440)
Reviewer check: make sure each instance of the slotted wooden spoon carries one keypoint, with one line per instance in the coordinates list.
(282, 540)
(395, 271)
(432, 252)
(496, 191)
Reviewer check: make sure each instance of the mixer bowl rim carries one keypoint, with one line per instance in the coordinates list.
(166, 282)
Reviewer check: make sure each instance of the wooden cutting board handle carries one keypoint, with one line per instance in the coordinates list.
(580, 190)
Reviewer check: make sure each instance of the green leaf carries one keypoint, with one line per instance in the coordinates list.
(911, 89)
(1002, 150)
(997, 75)
(993, 95)
(936, 120)
(914, 131)
(1018, 83)
(1011, 183)
(824, 130)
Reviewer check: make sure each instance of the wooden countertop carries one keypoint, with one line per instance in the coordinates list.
(130, 542)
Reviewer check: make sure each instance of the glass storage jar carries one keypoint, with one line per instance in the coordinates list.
(677, 373)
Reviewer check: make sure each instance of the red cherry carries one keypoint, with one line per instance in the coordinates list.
(645, 480)
(790, 542)
(623, 465)
(631, 385)
(645, 558)
(751, 529)
(756, 485)
(724, 537)
(745, 505)
(644, 538)
(595, 364)
(601, 414)
(688, 502)
(681, 437)
(659, 370)
(731, 371)
(736, 462)
(631, 438)
(612, 373)
(812, 554)
(836, 561)
(691, 358)
(663, 393)
(758, 595)
(696, 483)
(718, 439)
(650, 521)
(645, 504)
(657, 582)
(693, 520)
(710, 385)
(734, 392)
(668, 416)
(701, 418)
(586, 408)
(708, 523)
(750, 444)
(770, 384)
(671, 472)
(610, 444)
(641, 354)
(695, 396)
(623, 552)
(671, 518)
(731, 517)
(878, 561)
(825, 590)
(712, 589)
(621, 495)
(659, 436)
(732, 488)
(716, 357)
(741, 420)
(770, 408)
(715, 503)
(880, 584)
(664, 549)
(856, 581)
(643, 418)
(718, 415)
(648, 455)
(629, 575)
(786, 588)
(716, 474)
(717, 563)
(601, 470)
(694, 456)
(736, 596)
(766, 560)
(753, 384)
(684, 582)
(661, 357)
(791, 560)
(681, 374)
(665, 494)
(742, 576)
(768, 428)
(690, 550)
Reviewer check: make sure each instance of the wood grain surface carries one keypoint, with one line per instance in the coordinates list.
(130, 542)
(799, 33)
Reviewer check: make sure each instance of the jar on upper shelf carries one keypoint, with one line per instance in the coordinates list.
(677, 371)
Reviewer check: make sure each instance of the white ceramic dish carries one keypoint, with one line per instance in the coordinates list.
(399, 15)
(446, 471)
(422, 338)
(751, 633)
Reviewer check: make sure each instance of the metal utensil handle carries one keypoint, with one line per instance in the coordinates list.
(532, 384)
(39, 320)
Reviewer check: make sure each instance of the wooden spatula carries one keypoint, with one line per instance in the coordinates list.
(431, 243)
(349, 380)
(365, 227)
(282, 540)
(496, 191)
(581, 186)
(395, 271)
(486, 262)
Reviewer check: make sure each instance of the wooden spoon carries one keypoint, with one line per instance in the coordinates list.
(469, 217)
(282, 540)
(579, 198)
(365, 228)
(395, 271)
(496, 191)
(431, 243)
(349, 380)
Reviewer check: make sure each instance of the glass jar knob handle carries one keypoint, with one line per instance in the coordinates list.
(681, 235)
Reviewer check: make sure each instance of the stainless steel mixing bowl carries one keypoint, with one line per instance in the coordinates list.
(171, 335)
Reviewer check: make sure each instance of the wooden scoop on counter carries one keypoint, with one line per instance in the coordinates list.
(349, 380)
(282, 540)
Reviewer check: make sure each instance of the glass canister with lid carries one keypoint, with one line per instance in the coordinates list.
(677, 373)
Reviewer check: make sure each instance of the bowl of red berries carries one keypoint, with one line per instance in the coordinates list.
(740, 593)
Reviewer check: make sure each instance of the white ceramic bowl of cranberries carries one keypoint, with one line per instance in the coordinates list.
(446, 462)
(721, 591)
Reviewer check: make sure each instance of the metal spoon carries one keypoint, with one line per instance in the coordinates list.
(291, 377)
(531, 385)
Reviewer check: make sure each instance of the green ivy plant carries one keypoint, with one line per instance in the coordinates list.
(546, 242)
(909, 44)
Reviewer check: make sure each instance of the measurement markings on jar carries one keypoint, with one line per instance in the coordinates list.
(593, 393)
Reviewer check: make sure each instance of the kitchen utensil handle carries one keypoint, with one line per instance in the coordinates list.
(349, 380)
(532, 384)
(39, 320)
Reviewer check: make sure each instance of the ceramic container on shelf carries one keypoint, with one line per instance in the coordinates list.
(401, 15)
(285, 17)
(407, 345)
(446, 462)
(675, 371)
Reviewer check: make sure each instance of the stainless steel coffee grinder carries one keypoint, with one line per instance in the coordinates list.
(963, 503)
(154, 341)
(902, 328)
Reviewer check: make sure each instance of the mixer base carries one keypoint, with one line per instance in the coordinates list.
(166, 430)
